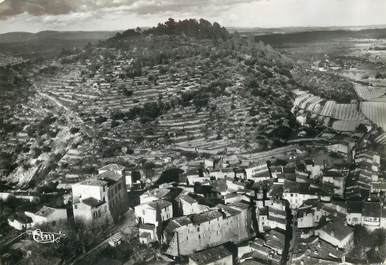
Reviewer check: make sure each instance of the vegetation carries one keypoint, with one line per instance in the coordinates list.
(370, 244)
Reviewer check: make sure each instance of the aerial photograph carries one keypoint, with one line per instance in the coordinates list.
(192, 132)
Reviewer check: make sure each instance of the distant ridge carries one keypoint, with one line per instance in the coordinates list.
(12, 37)
(286, 30)
(281, 39)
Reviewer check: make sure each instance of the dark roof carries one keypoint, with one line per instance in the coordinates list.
(159, 204)
(338, 229)
(46, 211)
(147, 226)
(110, 177)
(92, 202)
(210, 255)
(372, 209)
(296, 187)
(112, 167)
(21, 217)
(333, 173)
(354, 207)
(205, 217)
(188, 199)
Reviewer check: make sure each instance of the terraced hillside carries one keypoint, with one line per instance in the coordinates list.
(179, 91)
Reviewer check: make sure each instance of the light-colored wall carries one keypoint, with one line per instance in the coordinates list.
(297, 199)
(148, 214)
(345, 243)
(80, 191)
(191, 238)
(19, 226)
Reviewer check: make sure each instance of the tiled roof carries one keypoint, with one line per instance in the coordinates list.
(210, 255)
(371, 209)
(112, 167)
(45, 211)
(337, 229)
(92, 202)
(160, 204)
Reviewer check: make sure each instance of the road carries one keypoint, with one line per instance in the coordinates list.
(128, 222)
(294, 235)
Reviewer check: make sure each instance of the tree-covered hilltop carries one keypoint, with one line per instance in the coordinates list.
(190, 27)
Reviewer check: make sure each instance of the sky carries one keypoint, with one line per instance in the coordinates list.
(88, 15)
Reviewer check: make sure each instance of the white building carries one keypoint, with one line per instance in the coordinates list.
(100, 199)
(154, 212)
(297, 193)
(337, 234)
(188, 205)
(47, 215)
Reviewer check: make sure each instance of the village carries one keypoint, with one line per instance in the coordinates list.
(200, 151)
(303, 204)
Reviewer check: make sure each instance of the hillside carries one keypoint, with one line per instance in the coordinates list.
(183, 87)
(48, 43)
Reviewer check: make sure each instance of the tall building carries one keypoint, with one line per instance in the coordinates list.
(101, 199)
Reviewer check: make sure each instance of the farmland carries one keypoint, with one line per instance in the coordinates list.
(375, 111)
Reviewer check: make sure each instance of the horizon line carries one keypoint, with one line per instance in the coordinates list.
(374, 26)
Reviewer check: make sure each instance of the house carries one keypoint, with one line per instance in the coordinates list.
(154, 212)
(338, 179)
(297, 193)
(277, 216)
(343, 149)
(212, 256)
(276, 172)
(354, 213)
(369, 157)
(309, 214)
(261, 251)
(225, 173)
(47, 215)
(371, 215)
(232, 197)
(115, 240)
(257, 172)
(100, 199)
(115, 168)
(188, 205)
(313, 169)
(92, 210)
(187, 234)
(155, 194)
(147, 233)
(20, 221)
(337, 234)
(275, 240)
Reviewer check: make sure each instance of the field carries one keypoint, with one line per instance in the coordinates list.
(375, 111)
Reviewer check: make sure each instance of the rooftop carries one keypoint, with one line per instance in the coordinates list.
(371, 209)
(112, 167)
(160, 204)
(187, 198)
(337, 229)
(210, 255)
(92, 202)
(45, 211)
